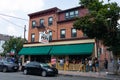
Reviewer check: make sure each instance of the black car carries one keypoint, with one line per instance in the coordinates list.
(8, 66)
(42, 69)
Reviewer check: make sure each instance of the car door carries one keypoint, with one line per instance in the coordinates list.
(36, 68)
(30, 67)
(1, 65)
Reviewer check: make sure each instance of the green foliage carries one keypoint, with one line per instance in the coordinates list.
(15, 43)
(101, 22)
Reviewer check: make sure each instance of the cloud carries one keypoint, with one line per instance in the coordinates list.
(11, 30)
(17, 8)
(21, 5)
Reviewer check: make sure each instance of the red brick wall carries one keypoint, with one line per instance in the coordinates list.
(82, 12)
(56, 27)
(37, 30)
(67, 26)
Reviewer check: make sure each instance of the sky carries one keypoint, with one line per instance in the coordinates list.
(21, 8)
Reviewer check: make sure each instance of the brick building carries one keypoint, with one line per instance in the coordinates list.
(64, 41)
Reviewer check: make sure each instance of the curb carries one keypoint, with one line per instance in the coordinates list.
(98, 75)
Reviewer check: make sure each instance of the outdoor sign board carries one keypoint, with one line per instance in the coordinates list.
(43, 37)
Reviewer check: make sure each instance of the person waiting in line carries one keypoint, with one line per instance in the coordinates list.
(93, 65)
(73, 67)
(80, 66)
(96, 65)
(90, 64)
(66, 66)
(86, 65)
(62, 62)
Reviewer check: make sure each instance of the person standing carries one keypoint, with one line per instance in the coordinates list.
(62, 63)
(90, 64)
(80, 66)
(73, 67)
(106, 64)
(96, 65)
(66, 67)
(53, 62)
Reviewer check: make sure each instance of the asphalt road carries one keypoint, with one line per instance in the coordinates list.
(20, 76)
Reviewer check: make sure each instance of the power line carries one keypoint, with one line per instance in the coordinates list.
(14, 17)
(12, 22)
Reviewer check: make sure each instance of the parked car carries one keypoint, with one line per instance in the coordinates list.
(8, 66)
(42, 69)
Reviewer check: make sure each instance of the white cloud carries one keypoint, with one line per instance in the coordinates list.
(11, 30)
(17, 8)
(21, 5)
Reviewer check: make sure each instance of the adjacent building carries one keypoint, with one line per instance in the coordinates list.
(3, 38)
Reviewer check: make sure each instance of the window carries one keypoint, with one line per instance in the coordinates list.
(71, 14)
(73, 32)
(32, 37)
(76, 13)
(50, 35)
(62, 33)
(41, 21)
(67, 15)
(33, 24)
(50, 21)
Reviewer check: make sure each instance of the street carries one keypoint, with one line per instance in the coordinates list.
(20, 76)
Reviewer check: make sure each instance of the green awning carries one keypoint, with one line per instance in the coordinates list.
(41, 50)
(73, 49)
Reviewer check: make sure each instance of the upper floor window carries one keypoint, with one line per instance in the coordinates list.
(71, 14)
(33, 24)
(50, 35)
(50, 21)
(32, 37)
(76, 13)
(41, 21)
(73, 32)
(66, 15)
(62, 33)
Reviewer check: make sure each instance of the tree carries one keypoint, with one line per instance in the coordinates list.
(101, 23)
(14, 43)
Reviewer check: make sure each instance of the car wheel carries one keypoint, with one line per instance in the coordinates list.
(44, 73)
(25, 71)
(5, 69)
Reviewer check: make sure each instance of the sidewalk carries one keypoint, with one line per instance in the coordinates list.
(90, 74)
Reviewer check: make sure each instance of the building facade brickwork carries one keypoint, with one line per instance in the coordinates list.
(61, 19)
(62, 35)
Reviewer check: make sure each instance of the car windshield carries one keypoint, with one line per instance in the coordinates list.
(6, 62)
(44, 65)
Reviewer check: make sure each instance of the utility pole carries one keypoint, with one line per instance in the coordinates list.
(24, 32)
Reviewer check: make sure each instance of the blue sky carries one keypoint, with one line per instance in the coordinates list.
(21, 8)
